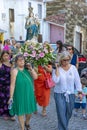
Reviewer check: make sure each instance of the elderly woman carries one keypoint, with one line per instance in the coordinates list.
(66, 77)
(21, 92)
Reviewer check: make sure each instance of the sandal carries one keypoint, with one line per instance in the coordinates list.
(44, 113)
(27, 126)
(12, 118)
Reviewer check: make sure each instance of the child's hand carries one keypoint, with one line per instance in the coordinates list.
(80, 96)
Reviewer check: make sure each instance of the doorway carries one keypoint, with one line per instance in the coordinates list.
(11, 22)
(78, 41)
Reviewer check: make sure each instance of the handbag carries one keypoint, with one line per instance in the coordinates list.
(49, 83)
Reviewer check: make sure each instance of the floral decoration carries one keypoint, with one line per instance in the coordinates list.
(37, 53)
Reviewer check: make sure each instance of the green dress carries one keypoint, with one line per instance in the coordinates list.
(23, 99)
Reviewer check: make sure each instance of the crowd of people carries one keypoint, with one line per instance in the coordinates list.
(21, 88)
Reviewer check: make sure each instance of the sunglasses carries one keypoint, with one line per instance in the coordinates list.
(66, 59)
(69, 48)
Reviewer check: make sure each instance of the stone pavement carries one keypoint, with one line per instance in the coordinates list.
(46, 123)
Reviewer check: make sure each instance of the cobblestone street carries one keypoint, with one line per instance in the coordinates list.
(46, 123)
(43, 44)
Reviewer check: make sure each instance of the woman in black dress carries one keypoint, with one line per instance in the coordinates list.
(5, 68)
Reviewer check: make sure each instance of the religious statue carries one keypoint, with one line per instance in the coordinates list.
(32, 25)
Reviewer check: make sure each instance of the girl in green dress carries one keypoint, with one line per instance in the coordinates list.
(22, 92)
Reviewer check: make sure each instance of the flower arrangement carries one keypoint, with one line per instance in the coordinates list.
(37, 53)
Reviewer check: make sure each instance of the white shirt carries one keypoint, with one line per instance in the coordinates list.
(67, 81)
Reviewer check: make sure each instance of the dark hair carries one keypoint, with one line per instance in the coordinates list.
(60, 45)
(5, 41)
(3, 52)
(19, 56)
(71, 47)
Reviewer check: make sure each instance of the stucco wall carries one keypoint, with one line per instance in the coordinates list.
(21, 11)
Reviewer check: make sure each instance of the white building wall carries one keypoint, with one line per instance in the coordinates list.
(3, 21)
(46, 32)
(20, 12)
(45, 25)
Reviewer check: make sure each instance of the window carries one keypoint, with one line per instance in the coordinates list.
(29, 4)
(11, 15)
(39, 11)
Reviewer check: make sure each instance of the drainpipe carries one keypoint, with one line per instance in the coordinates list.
(64, 32)
(44, 16)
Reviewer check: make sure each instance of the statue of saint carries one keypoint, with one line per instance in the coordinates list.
(32, 25)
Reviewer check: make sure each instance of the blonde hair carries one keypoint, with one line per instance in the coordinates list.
(63, 55)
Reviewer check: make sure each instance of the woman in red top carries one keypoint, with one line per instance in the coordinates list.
(41, 92)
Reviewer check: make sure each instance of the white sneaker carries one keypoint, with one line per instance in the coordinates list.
(84, 117)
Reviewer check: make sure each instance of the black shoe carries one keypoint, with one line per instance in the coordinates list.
(27, 127)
